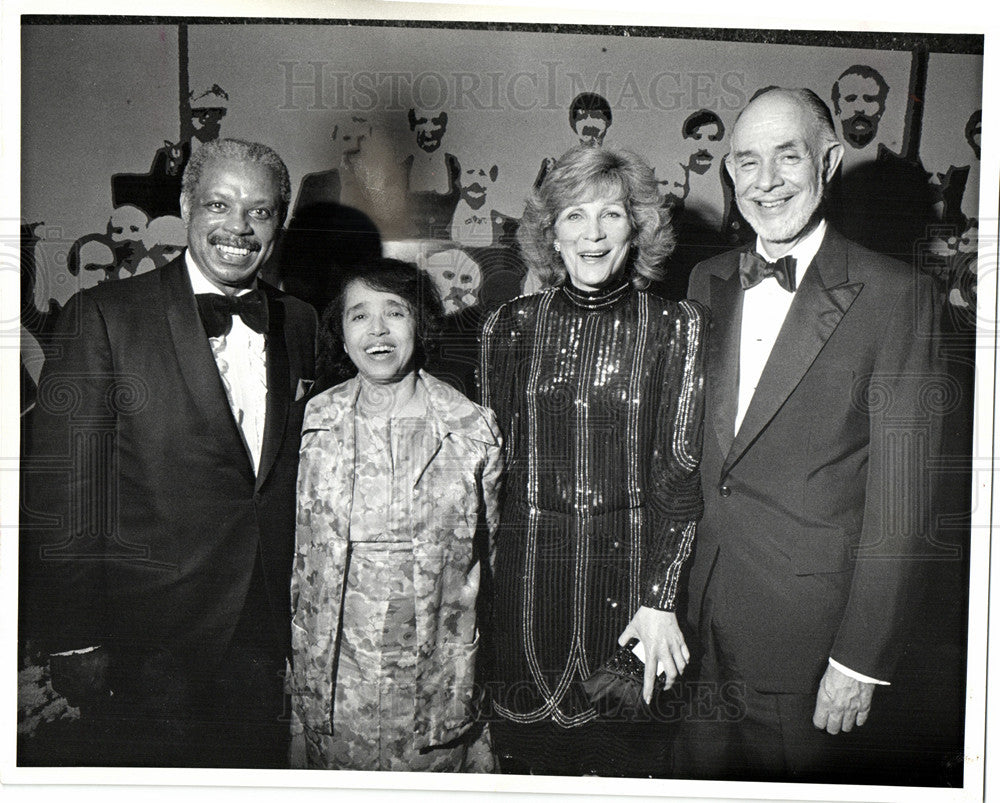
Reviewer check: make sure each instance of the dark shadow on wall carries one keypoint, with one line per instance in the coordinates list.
(886, 204)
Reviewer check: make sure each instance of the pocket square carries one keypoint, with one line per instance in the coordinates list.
(304, 388)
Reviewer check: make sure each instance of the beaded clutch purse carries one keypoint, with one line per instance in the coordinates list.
(617, 684)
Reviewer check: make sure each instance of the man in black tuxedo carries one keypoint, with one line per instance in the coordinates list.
(822, 421)
(159, 504)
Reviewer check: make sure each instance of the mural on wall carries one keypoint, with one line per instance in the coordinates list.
(444, 185)
(471, 223)
(953, 251)
(433, 176)
(886, 203)
(131, 243)
(859, 96)
(414, 181)
(698, 191)
(157, 192)
(589, 118)
(36, 322)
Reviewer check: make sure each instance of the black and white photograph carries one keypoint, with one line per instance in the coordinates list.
(481, 401)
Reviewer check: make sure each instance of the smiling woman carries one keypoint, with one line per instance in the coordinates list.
(397, 493)
(597, 388)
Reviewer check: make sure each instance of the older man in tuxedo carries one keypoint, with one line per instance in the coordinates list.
(160, 492)
(821, 421)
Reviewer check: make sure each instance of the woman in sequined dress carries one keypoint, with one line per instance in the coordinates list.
(597, 387)
(397, 490)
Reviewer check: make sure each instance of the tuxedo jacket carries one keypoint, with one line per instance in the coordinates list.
(818, 510)
(145, 513)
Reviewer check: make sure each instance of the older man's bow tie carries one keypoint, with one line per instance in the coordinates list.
(217, 311)
(754, 269)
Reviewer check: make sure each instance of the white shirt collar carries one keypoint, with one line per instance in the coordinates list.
(200, 283)
(804, 250)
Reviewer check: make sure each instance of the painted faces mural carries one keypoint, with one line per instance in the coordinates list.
(858, 97)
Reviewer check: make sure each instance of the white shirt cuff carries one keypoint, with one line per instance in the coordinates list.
(857, 675)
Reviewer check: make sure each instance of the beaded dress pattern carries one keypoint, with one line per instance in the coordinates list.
(600, 400)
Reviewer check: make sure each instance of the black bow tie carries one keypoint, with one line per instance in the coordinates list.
(217, 311)
(754, 269)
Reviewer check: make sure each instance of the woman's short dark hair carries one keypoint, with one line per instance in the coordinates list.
(581, 174)
(386, 275)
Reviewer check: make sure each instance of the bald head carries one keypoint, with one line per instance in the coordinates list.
(816, 114)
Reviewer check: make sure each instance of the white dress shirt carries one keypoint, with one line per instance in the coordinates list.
(241, 359)
(765, 307)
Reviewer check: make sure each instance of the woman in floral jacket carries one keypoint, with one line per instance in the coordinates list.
(397, 490)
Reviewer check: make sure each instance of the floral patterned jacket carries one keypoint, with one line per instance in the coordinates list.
(456, 460)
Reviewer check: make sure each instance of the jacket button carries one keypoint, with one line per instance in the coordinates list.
(725, 491)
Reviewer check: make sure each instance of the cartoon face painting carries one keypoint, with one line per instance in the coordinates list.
(474, 184)
(429, 128)
(348, 137)
(207, 110)
(858, 97)
(457, 278)
(590, 118)
(704, 131)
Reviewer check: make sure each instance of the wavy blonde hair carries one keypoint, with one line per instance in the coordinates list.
(581, 174)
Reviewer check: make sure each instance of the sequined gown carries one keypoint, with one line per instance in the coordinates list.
(599, 397)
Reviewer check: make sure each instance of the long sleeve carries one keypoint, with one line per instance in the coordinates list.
(495, 348)
(905, 398)
(675, 481)
(491, 483)
(70, 514)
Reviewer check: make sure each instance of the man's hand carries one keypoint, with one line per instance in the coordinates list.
(842, 702)
(663, 642)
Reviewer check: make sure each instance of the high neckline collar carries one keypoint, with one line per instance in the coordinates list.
(597, 299)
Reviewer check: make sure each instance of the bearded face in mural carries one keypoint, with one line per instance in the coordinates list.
(858, 97)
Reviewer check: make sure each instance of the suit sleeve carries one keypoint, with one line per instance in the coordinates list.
(906, 397)
(70, 510)
(675, 480)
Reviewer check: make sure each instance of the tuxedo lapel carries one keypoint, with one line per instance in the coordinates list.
(278, 386)
(194, 353)
(726, 303)
(823, 298)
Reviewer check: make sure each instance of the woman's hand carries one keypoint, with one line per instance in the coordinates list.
(663, 642)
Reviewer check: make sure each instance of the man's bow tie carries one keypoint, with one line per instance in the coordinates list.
(754, 269)
(217, 311)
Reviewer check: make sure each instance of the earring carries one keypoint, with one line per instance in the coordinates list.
(556, 246)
